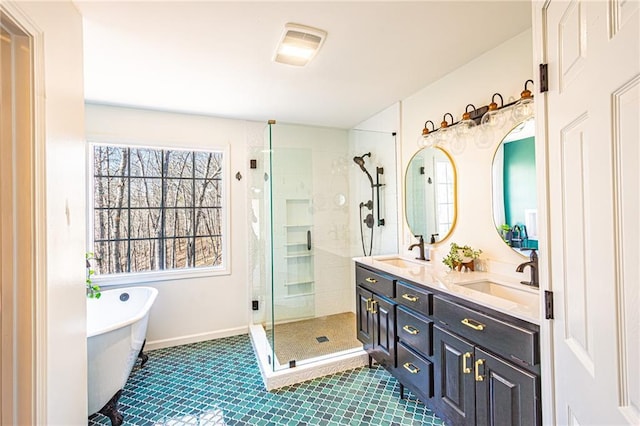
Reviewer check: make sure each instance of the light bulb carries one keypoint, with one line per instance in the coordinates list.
(523, 109)
(426, 138)
(445, 133)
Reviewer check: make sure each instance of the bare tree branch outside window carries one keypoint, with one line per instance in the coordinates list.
(156, 209)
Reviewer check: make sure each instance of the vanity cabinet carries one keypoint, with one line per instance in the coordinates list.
(376, 316)
(469, 364)
(475, 387)
(486, 370)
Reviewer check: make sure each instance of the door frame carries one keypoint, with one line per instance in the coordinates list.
(30, 404)
(547, 369)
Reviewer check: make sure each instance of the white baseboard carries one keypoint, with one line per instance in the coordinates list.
(194, 338)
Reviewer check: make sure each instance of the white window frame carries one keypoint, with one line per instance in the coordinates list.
(167, 274)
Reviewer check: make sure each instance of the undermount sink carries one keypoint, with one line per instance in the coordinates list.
(524, 296)
(399, 262)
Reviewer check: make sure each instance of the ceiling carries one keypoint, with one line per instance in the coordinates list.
(215, 58)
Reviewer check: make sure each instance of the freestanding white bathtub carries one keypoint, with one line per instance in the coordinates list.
(116, 330)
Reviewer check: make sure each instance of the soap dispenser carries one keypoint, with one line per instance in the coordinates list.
(432, 251)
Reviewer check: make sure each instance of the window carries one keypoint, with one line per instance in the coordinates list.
(157, 209)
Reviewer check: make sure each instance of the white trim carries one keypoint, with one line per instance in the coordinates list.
(195, 338)
(13, 10)
(547, 366)
(157, 276)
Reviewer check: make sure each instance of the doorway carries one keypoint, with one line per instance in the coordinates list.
(17, 233)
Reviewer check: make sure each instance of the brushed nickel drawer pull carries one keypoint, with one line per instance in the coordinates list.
(466, 369)
(473, 324)
(371, 280)
(410, 297)
(410, 329)
(479, 377)
(411, 368)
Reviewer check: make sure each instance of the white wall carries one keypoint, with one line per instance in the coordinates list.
(192, 309)
(503, 69)
(60, 134)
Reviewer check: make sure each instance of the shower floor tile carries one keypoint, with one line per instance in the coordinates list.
(218, 383)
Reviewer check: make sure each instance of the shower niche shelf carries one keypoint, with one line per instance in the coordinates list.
(298, 251)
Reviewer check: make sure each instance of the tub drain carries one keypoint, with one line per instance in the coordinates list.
(124, 297)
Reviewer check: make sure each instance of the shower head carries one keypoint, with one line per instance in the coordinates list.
(360, 162)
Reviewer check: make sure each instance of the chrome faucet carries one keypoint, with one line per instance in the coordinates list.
(533, 263)
(420, 245)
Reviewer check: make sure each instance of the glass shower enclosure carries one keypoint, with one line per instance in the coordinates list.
(308, 198)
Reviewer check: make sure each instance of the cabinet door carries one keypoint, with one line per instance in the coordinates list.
(505, 394)
(384, 331)
(365, 318)
(454, 381)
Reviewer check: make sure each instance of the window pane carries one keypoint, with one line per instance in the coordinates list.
(208, 193)
(179, 163)
(117, 192)
(178, 223)
(145, 223)
(208, 251)
(117, 161)
(208, 164)
(177, 253)
(146, 192)
(143, 255)
(179, 192)
(208, 222)
(110, 225)
(146, 162)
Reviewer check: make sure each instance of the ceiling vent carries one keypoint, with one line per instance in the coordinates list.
(299, 44)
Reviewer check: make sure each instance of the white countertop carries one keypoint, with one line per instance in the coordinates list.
(451, 282)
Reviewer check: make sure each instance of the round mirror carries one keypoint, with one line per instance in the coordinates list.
(515, 208)
(430, 194)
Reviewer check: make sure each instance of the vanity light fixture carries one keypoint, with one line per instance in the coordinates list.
(299, 44)
(478, 124)
(523, 109)
(427, 137)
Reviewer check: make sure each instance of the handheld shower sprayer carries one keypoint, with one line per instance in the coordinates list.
(360, 162)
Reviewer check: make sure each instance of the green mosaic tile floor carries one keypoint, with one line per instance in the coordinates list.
(218, 383)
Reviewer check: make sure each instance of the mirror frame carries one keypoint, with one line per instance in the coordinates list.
(493, 195)
(455, 195)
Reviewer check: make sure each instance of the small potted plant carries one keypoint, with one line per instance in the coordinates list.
(93, 291)
(461, 256)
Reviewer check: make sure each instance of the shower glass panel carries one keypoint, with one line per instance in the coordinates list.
(311, 195)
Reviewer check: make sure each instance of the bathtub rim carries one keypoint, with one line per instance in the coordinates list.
(143, 311)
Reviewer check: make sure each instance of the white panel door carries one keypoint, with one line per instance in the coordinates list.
(593, 122)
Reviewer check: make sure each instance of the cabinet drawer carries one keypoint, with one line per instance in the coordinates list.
(375, 281)
(414, 372)
(414, 331)
(413, 297)
(503, 338)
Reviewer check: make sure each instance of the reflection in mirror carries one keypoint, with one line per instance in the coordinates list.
(430, 194)
(515, 208)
